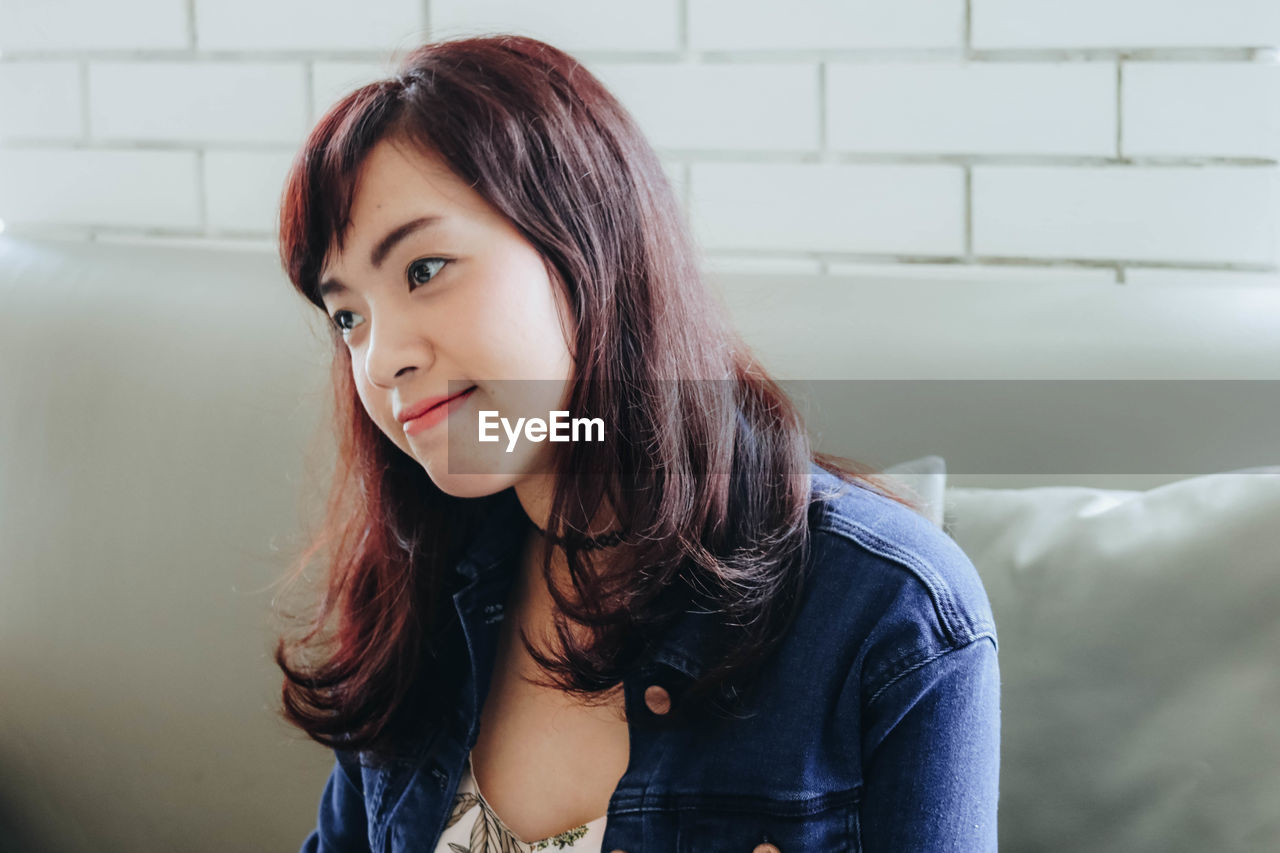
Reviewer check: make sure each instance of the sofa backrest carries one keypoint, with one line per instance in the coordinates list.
(163, 445)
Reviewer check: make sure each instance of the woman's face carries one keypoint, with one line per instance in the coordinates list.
(431, 309)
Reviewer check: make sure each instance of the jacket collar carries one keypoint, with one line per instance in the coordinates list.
(498, 537)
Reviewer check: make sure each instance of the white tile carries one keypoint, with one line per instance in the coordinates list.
(974, 107)
(825, 24)
(977, 272)
(331, 81)
(243, 188)
(745, 107)
(244, 244)
(675, 176)
(1206, 214)
(84, 187)
(39, 100)
(1124, 23)
(744, 264)
(93, 24)
(570, 25)
(828, 207)
(198, 101)
(1150, 277)
(379, 25)
(1219, 109)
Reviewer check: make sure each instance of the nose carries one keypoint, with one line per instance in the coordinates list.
(396, 347)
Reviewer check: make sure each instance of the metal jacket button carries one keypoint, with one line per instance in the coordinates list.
(765, 848)
(657, 699)
(438, 774)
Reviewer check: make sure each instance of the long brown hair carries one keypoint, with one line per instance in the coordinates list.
(710, 477)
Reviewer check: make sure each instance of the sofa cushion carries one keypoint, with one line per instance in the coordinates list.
(923, 480)
(1140, 661)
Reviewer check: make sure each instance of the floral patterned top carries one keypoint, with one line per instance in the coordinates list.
(474, 827)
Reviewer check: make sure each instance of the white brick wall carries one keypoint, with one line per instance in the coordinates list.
(307, 25)
(1196, 214)
(1125, 24)
(1133, 141)
(954, 107)
(73, 186)
(820, 207)
(41, 100)
(1198, 109)
(719, 107)
(807, 25)
(572, 25)
(86, 25)
(215, 102)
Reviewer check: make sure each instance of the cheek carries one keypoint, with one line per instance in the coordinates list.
(530, 338)
(524, 319)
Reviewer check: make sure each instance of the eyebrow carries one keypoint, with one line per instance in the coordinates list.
(384, 247)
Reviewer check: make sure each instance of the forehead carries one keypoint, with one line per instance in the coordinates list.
(397, 183)
(394, 167)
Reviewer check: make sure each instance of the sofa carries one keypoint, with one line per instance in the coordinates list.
(163, 451)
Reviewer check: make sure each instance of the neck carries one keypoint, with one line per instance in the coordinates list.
(532, 604)
(535, 496)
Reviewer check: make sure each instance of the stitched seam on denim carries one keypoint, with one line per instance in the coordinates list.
(947, 614)
(413, 766)
(893, 664)
(925, 571)
(815, 806)
(926, 662)
(678, 659)
(404, 791)
(380, 814)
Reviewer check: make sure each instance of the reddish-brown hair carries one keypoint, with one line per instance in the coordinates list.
(539, 138)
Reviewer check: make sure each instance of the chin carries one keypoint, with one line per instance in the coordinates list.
(471, 471)
(463, 472)
(469, 485)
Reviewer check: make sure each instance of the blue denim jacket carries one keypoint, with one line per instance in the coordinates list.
(876, 728)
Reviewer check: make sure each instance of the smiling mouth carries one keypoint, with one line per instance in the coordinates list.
(462, 393)
(437, 413)
(448, 400)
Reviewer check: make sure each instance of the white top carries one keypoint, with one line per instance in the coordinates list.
(474, 827)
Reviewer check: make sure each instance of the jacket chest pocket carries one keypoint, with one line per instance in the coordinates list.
(754, 825)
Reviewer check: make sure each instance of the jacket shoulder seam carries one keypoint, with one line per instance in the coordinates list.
(903, 673)
(957, 631)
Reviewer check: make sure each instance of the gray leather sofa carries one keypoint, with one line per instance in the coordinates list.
(162, 448)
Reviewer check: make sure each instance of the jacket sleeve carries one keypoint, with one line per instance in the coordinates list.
(341, 823)
(931, 766)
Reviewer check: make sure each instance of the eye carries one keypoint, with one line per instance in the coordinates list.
(417, 269)
(418, 273)
(336, 319)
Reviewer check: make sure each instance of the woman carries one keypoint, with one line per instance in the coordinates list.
(685, 632)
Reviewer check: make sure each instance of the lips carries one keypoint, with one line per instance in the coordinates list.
(420, 408)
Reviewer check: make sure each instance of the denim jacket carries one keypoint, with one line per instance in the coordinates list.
(876, 726)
